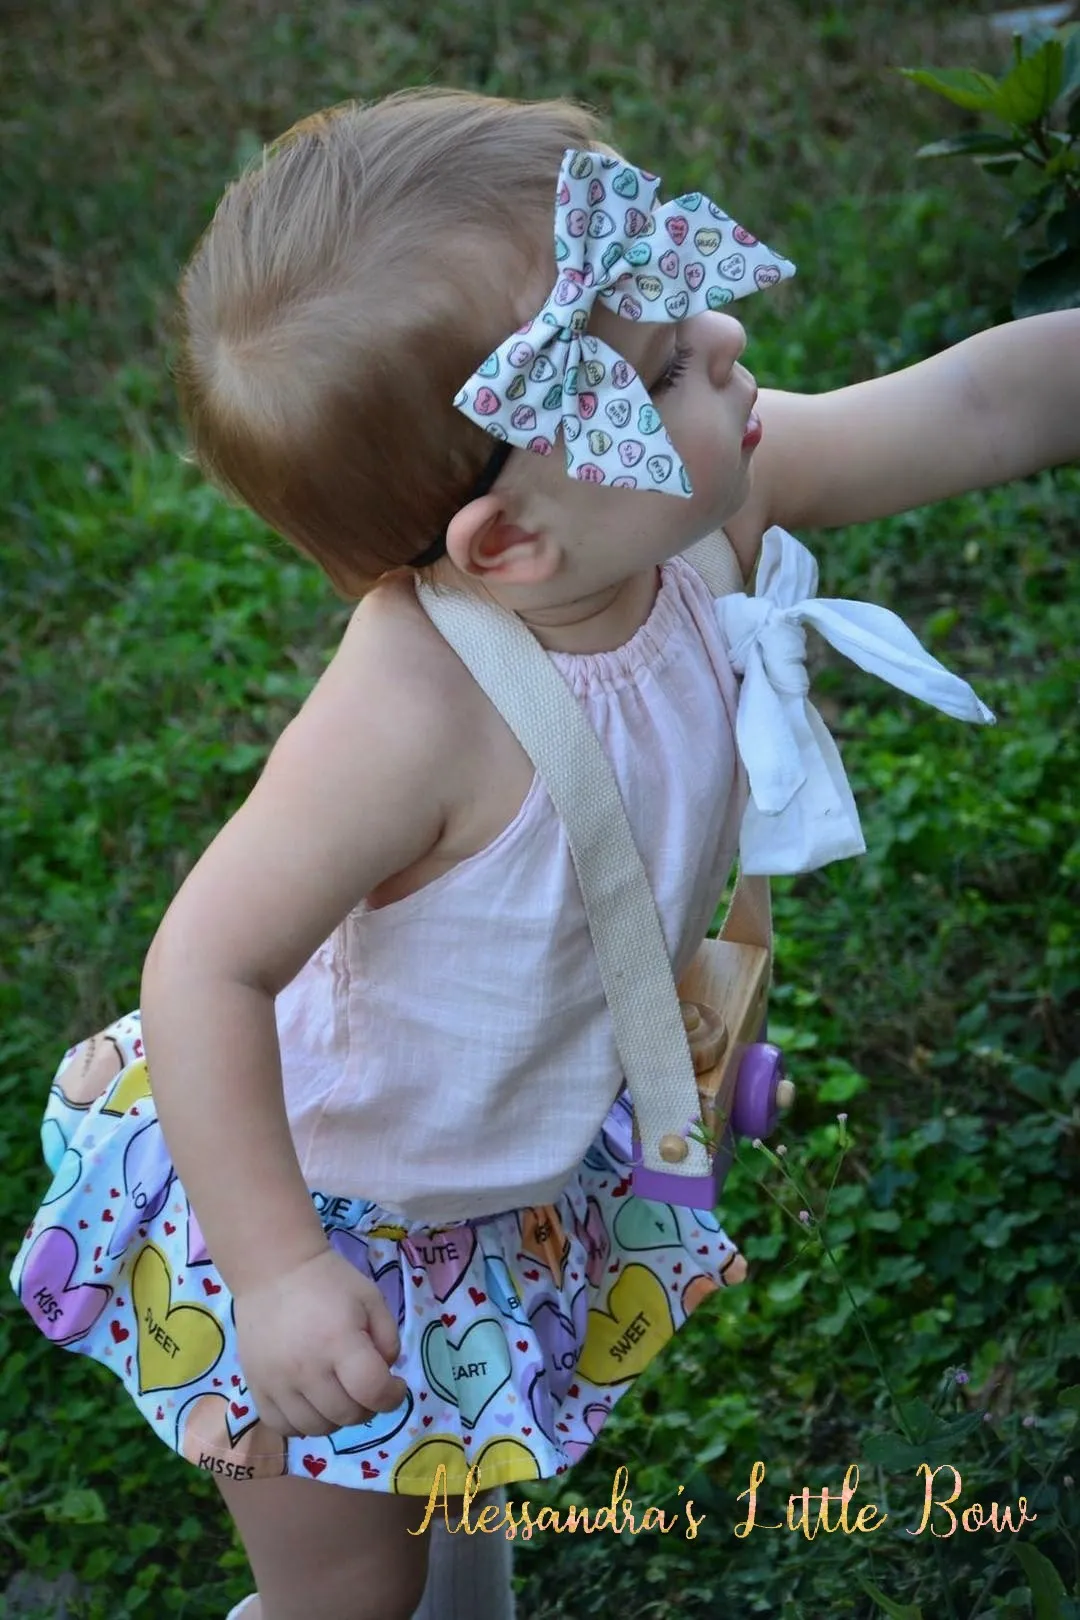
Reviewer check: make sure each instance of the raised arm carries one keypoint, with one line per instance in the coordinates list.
(349, 796)
(1000, 405)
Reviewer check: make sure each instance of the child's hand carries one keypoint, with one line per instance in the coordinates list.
(316, 1345)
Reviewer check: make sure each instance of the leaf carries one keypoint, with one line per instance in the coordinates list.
(1070, 1398)
(978, 140)
(963, 86)
(1031, 210)
(895, 1611)
(998, 165)
(77, 1507)
(1047, 1593)
(1054, 283)
(893, 1452)
(1027, 93)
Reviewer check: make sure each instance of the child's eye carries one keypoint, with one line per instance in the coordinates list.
(674, 369)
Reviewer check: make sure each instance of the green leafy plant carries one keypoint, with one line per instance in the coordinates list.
(1039, 101)
(928, 1434)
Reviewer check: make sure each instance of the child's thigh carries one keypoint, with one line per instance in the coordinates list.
(325, 1552)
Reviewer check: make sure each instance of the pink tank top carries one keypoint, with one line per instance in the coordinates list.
(451, 1055)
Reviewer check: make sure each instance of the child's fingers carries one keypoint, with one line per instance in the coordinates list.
(289, 1415)
(383, 1330)
(365, 1376)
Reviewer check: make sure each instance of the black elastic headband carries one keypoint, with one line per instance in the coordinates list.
(493, 468)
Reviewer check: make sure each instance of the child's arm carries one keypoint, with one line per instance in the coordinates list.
(998, 406)
(353, 792)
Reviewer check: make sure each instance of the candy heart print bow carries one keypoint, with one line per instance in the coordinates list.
(801, 812)
(644, 264)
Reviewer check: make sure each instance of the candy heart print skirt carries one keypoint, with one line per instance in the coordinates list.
(519, 1331)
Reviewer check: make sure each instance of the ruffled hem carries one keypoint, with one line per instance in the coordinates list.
(519, 1331)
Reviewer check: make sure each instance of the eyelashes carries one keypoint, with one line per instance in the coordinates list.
(673, 370)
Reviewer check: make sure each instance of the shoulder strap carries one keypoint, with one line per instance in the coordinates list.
(515, 672)
(512, 668)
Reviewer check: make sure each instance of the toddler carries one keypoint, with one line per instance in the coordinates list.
(347, 1205)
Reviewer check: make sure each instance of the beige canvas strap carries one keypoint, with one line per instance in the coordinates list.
(515, 672)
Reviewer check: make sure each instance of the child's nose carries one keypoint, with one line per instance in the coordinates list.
(726, 338)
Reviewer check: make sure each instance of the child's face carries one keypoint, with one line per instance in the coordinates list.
(692, 373)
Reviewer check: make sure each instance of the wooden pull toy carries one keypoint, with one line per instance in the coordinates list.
(740, 1077)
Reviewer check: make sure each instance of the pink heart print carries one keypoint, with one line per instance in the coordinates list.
(63, 1313)
(677, 228)
(487, 401)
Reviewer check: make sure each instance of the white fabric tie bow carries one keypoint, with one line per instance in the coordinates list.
(801, 813)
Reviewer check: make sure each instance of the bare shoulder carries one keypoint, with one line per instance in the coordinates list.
(392, 640)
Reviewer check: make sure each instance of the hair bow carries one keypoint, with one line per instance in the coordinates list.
(645, 264)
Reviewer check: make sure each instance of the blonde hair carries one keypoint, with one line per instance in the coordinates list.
(348, 284)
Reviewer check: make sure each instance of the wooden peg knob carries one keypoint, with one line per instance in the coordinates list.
(707, 1034)
(673, 1149)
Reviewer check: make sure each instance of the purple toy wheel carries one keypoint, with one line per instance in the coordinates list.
(754, 1112)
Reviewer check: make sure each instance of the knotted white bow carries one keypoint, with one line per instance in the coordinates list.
(801, 812)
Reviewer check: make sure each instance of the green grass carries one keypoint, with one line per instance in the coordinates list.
(155, 642)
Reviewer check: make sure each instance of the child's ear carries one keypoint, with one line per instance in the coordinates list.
(482, 541)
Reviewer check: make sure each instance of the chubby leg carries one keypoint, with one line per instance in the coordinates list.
(325, 1552)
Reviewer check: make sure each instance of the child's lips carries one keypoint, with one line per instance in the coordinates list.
(752, 436)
